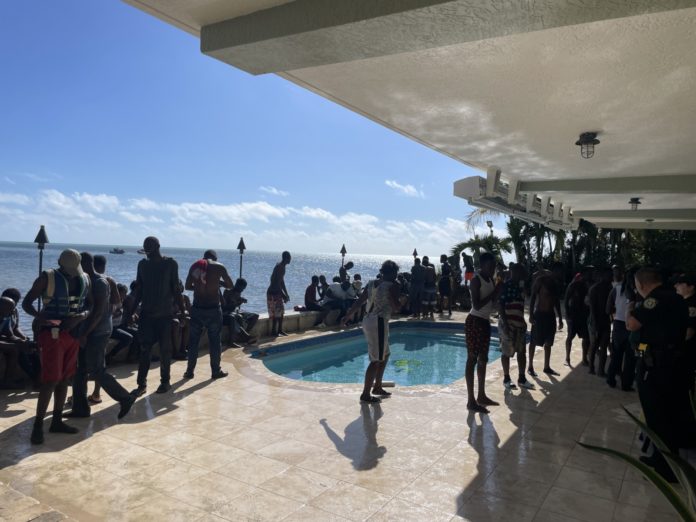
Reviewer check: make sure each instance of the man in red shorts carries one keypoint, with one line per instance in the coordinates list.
(66, 296)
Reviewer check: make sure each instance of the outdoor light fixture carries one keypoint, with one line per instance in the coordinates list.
(634, 202)
(586, 143)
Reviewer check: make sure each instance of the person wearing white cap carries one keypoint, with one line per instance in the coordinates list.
(66, 296)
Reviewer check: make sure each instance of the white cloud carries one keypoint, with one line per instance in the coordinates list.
(406, 190)
(144, 204)
(16, 199)
(10, 181)
(134, 217)
(103, 218)
(273, 191)
(97, 202)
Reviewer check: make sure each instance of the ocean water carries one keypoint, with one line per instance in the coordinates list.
(418, 356)
(19, 265)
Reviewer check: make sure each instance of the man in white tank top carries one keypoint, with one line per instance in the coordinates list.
(484, 296)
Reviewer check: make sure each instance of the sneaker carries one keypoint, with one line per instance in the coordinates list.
(219, 374)
(188, 374)
(139, 391)
(163, 388)
(525, 384)
(509, 385)
(126, 405)
(532, 373)
(61, 427)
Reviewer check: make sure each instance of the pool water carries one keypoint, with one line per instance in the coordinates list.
(418, 356)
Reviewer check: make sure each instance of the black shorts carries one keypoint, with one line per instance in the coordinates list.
(445, 287)
(477, 332)
(578, 326)
(544, 328)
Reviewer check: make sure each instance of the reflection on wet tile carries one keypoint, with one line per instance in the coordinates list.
(578, 505)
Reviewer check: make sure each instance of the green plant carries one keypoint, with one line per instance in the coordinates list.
(685, 472)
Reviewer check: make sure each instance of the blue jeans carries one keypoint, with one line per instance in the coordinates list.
(90, 363)
(211, 320)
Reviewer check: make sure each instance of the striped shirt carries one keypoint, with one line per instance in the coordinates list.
(513, 304)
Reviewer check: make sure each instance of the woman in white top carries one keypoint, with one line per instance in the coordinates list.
(382, 298)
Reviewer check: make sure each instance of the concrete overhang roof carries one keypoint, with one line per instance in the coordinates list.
(504, 87)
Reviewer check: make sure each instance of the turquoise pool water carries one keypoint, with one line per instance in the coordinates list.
(418, 356)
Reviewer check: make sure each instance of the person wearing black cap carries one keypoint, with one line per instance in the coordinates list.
(158, 289)
(205, 278)
(661, 320)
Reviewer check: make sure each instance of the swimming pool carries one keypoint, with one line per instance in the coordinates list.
(420, 354)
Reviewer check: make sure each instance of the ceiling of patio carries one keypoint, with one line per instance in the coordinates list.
(511, 88)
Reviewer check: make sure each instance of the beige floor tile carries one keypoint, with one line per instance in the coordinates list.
(579, 505)
(213, 455)
(486, 508)
(259, 505)
(586, 460)
(249, 439)
(435, 495)
(169, 475)
(161, 507)
(521, 488)
(253, 469)
(289, 451)
(350, 501)
(382, 479)
(398, 510)
(110, 504)
(210, 492)
(589, 483)
(299, 484)
(643, 494)
(549, 516)
(312, 514)
(628, 513)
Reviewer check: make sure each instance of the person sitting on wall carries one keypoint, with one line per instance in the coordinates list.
(10, 331)
(240, 323)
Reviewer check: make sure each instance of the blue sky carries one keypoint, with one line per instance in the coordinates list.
(114, 126)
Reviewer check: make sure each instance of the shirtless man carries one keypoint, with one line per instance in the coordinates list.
(600, 321)
(545, 306)
(277, 296)
(205, 278)
(577, 312)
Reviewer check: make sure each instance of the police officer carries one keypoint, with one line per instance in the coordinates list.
(661, 320)
(685, 285)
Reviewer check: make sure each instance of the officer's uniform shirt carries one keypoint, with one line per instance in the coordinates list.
(663, 317)
(691, 305)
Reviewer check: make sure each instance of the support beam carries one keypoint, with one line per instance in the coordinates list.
(492, 180)
(674, 214)
(529, 204)
(545, 200)
(667, 184)
(311, 33)
(513, 192)
(642, 225)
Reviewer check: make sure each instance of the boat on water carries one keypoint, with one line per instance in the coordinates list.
(141, 251)
(117, 251)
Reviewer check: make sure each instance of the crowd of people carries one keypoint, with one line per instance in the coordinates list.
(638, 327)
(635, 328)
(77, 309)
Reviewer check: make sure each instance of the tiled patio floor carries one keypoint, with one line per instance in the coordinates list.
(255, 446)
